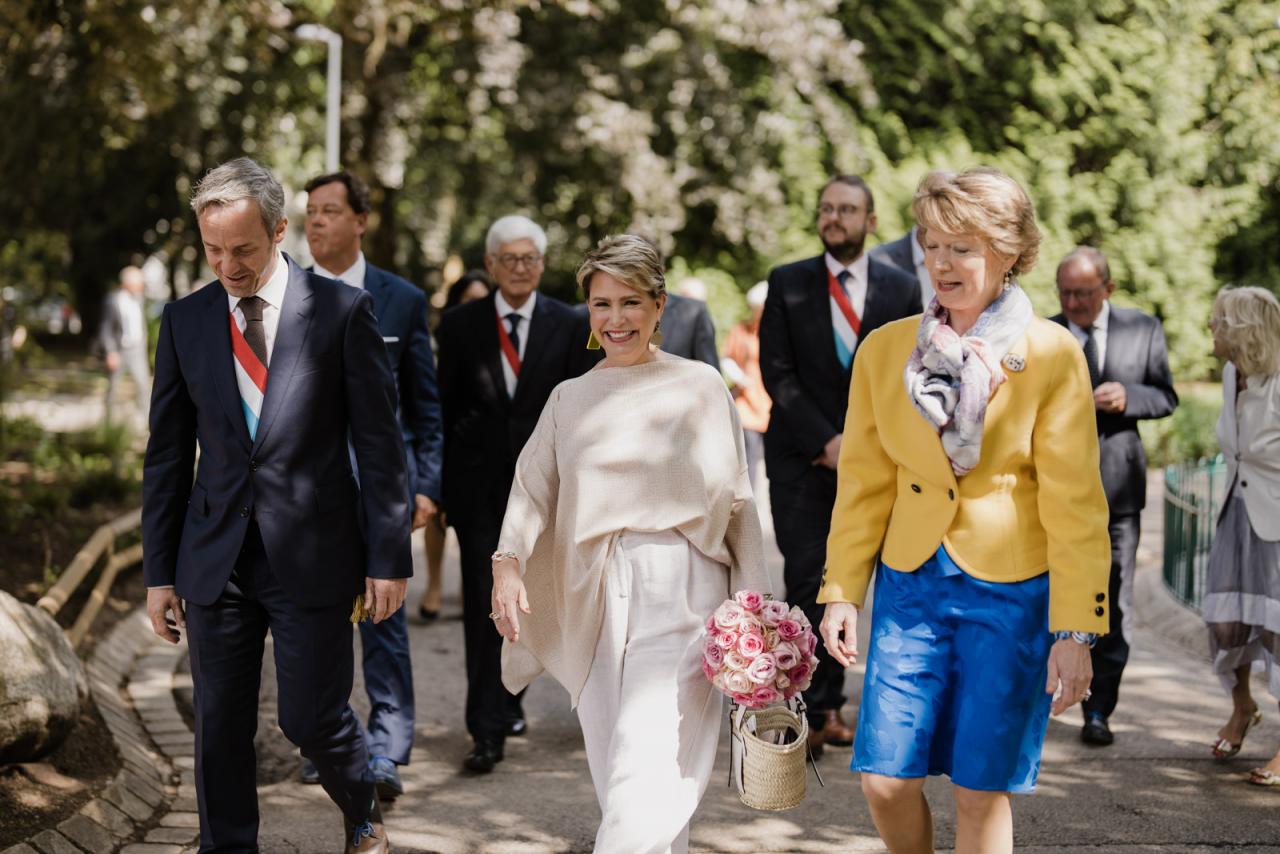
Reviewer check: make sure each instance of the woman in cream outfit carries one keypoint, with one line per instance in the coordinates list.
(970, 469)
(630, 520)
(1242, 606)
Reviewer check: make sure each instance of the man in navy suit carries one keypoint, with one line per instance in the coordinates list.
(817, 312)
(337, 215)
(1129, 368)
(280, 376)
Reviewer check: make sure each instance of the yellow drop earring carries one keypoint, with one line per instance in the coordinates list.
(656, 340)
(593, 343)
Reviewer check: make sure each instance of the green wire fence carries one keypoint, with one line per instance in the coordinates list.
(1193, 495)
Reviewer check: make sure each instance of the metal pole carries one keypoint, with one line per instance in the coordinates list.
(334, 108)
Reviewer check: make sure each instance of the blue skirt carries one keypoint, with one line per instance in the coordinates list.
(955, 678)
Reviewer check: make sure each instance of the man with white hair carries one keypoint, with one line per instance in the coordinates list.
(123, 339)
(499, 359)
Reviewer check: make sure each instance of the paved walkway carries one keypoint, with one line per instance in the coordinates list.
(1156, 789)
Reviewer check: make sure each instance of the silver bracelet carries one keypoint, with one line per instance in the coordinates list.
(1086, 638)
(501, 555)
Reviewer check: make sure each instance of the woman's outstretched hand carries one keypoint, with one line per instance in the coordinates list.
(840, 632)
(509, 599)
(1071, 670)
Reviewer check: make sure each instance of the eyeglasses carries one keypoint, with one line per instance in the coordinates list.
(841, 210)
(513, 262)
(1078, 294)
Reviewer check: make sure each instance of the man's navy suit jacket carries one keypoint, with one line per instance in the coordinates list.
(295, 478)
(401, 311)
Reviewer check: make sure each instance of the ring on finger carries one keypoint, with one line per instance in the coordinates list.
(493, 615)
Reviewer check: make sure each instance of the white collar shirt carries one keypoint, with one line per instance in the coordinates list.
(922, 270)
(855, 287)
(354, 275)
(133, 324)
(525, 313)
(1099, 333)
(272, 293)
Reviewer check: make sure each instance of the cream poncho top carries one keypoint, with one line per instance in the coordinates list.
(651, 447)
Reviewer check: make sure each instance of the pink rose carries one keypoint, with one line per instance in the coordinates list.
(763, 668)
(765, 696)
(781, 682)
(738, 683)
(800, 675)
(736, 661)
(708, 670)
(729, 615)
(726, 640)
(789, 629)
(796, 614)
(750, 600)
(810, 643)
(787, 655)
(743, 699)
(712, 654)
(773, 612)
(711, 623)
(718, 682)
(771, 638)
(751, 645)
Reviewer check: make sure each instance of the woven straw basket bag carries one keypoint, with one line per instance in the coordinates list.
(769, 749)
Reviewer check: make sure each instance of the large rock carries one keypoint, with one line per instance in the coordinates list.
(42, 683)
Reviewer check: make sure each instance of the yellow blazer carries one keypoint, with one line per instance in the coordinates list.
(1033, 503)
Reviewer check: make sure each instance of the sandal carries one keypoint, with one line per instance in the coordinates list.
(1263, 777)
(1223, 749)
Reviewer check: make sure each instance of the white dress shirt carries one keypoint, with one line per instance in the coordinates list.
(272, 293)
(922, 270)
(526, 314)
(354, 275)
(1099, 333)
(855, 288)
(132, 322)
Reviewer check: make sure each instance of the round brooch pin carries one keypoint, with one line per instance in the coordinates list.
(1013, 362)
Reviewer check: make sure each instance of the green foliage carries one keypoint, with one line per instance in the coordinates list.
(1189, 433)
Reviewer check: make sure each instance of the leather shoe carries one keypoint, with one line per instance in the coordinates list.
(368, 836)
(517, 726)
(483, 756)
(1095, 731)
(386, 777)
(834, 731)
(308, 772)
(816, 741)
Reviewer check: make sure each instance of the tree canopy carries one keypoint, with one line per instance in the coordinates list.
(1145, 127)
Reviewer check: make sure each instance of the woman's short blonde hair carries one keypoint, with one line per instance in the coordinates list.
(982, 201)
(1248, 322)
(631, 259)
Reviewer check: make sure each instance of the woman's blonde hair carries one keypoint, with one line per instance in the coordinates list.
(981, 201)
(631, 259)
(1248, 321)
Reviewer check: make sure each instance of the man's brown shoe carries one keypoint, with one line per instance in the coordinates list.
(368, 838)
(816, 742)
(834, 731)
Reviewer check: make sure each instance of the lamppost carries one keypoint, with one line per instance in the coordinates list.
(333, 87)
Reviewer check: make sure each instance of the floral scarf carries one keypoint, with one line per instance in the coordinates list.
(950, 378)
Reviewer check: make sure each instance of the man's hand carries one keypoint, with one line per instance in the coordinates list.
(830, 456)
(839, 632)
(1109, 397)
(423, 509)
(113, 361)
(1070, 672)
(384, 596)
(160, 601)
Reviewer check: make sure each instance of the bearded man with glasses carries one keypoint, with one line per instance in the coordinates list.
(817, 313)
(500, 357)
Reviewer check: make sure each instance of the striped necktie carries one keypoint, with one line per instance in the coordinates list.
(250, 350)
(846, 335)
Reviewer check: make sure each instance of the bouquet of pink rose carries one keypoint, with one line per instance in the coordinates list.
(759, 651)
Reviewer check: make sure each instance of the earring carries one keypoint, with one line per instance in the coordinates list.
(593, 343)
(1008, 278)
(656, 339)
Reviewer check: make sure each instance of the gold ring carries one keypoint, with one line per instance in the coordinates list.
(493, 615)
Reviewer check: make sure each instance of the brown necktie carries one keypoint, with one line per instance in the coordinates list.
(255, 334)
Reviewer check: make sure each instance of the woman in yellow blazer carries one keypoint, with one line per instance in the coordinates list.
(969, 484)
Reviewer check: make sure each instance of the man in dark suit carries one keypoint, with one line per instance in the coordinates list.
(500, 357)
(907, 254)
(337, 215)
(279, 376)
(817, 312)
(687, 330)
(1129, 367)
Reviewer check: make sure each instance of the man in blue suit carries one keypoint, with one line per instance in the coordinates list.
(337, 215)
(279, 376)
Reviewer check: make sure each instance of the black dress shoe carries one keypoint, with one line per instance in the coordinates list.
(427, 615)
(1096, 731)
(483, 756)
(517, 726)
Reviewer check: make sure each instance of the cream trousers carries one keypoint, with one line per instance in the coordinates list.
(650, 718)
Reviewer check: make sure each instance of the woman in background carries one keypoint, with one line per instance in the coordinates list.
(471, 285)
(1242, 607)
